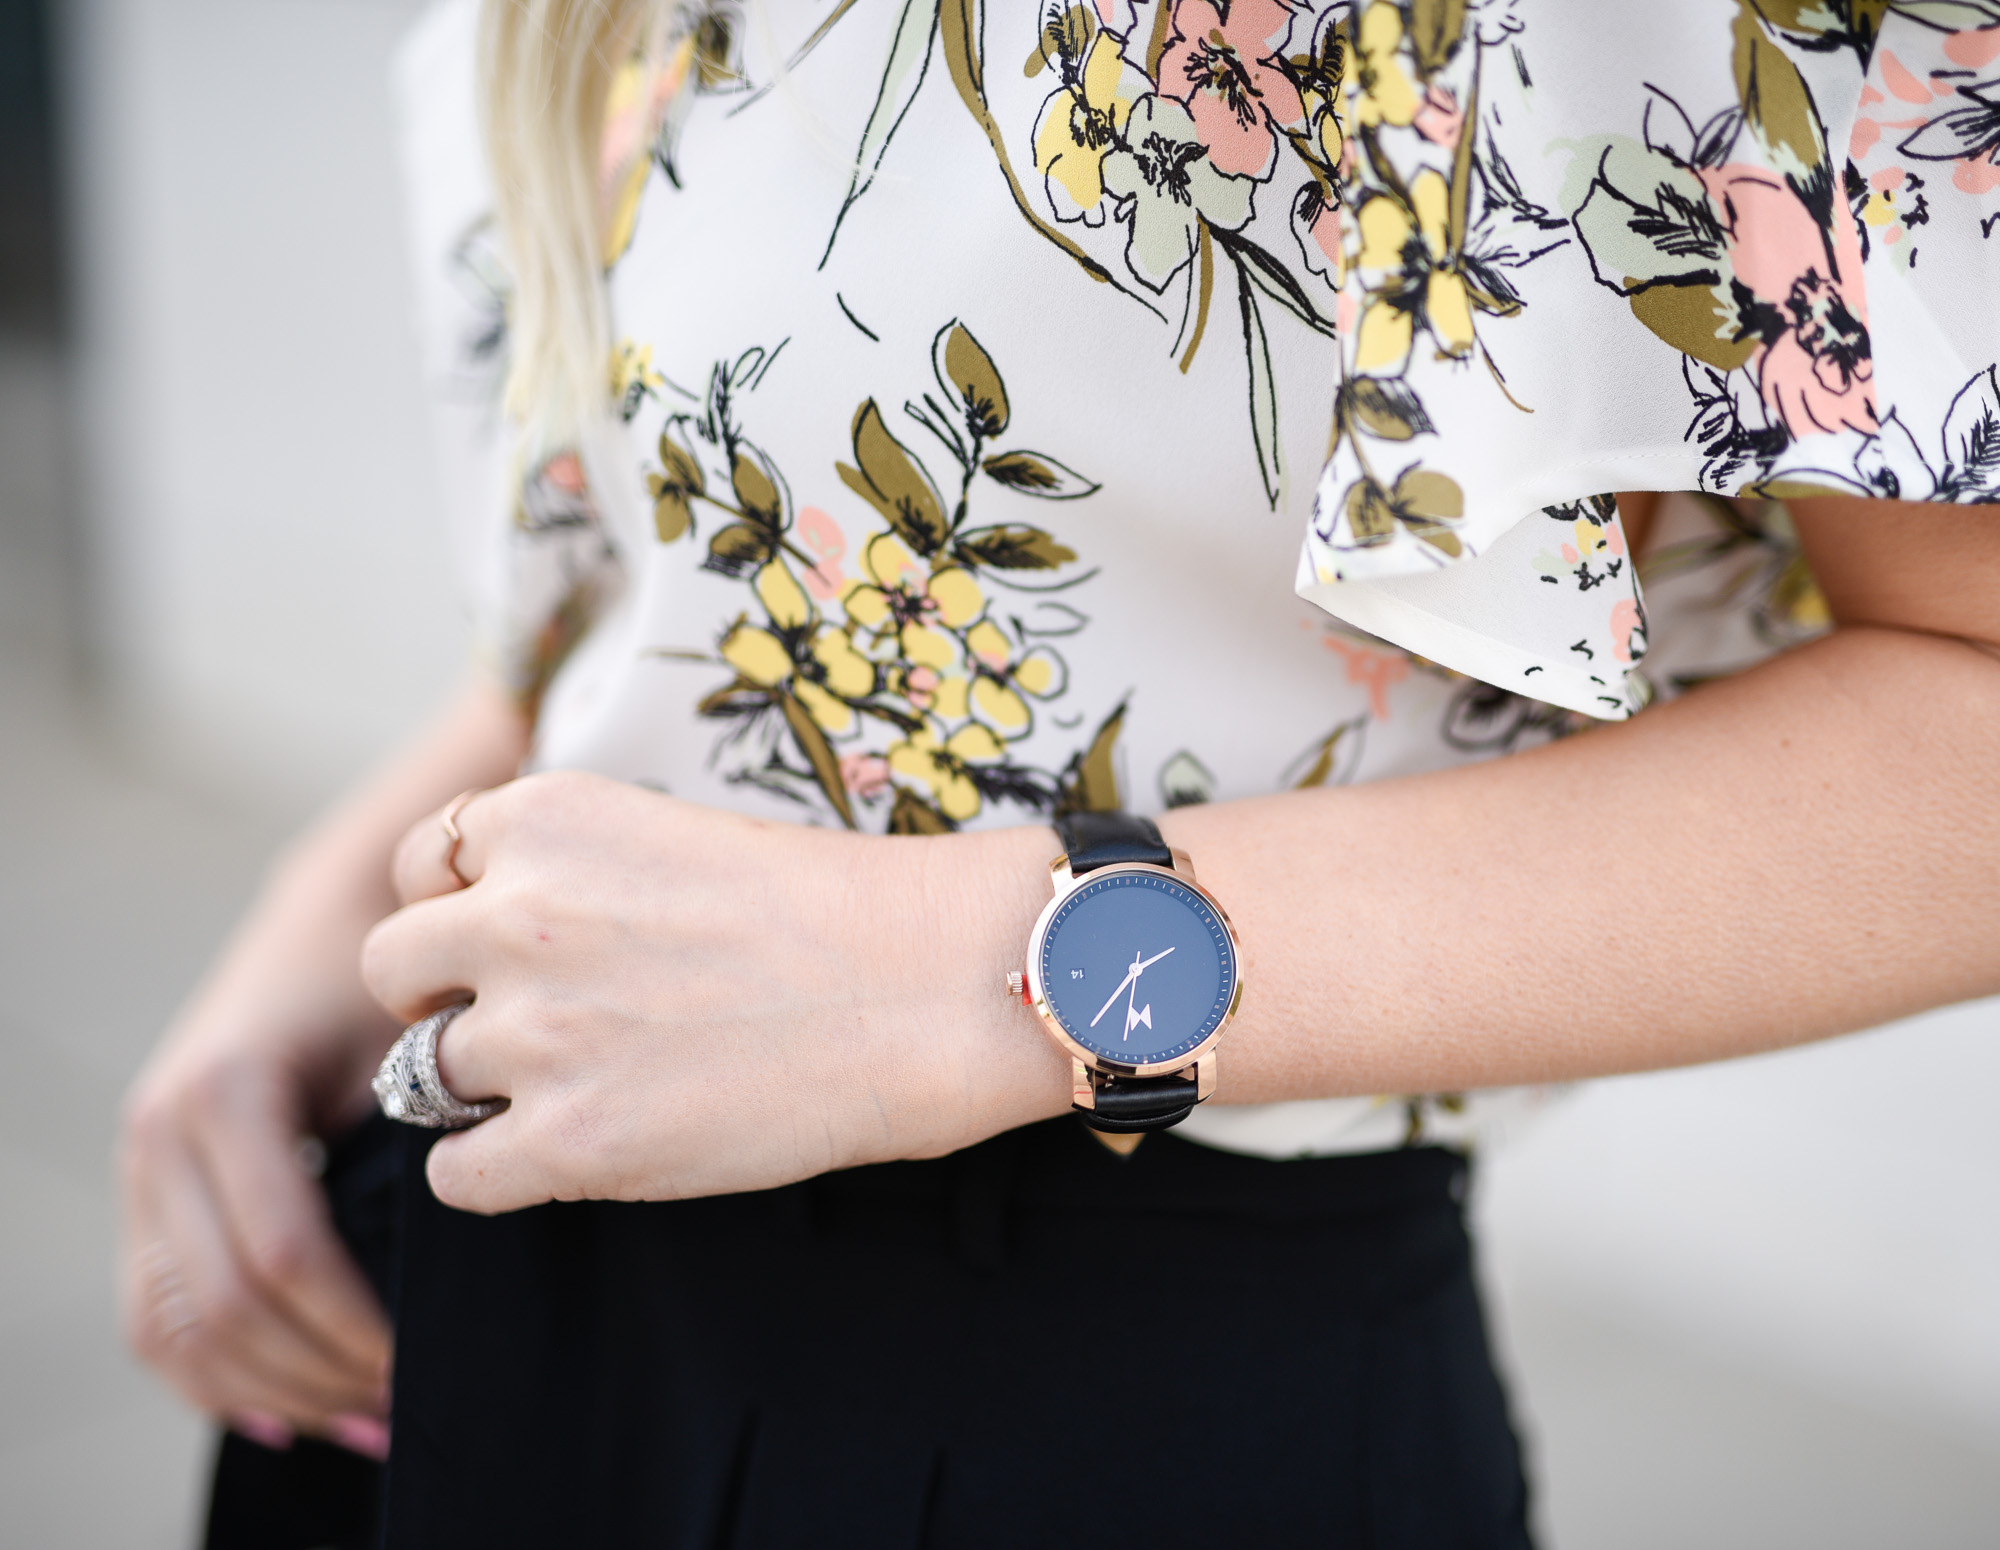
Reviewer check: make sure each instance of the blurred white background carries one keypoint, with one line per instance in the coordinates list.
(1747, 1306)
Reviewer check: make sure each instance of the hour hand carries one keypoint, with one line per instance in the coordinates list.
(1130, 975)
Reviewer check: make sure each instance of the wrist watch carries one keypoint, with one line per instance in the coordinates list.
(1135, 972)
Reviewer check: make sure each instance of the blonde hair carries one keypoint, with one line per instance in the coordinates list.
(546, 69)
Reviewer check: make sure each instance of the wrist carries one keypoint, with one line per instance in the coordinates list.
(1001, 1072)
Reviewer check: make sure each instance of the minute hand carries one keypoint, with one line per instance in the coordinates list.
(1131, 974)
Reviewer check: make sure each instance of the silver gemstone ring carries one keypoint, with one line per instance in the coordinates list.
(409, 1087)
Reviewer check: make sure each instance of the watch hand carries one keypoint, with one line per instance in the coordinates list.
(1130, 975)
(1132, 996)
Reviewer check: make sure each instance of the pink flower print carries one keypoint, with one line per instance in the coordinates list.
(1376, 671)
(1441, 118)
(1897, 77)
(1316, 225)
(864, 774)
(1973, 47)
(1628, 640)
(1815, 372)
(920, 686)
(822, 535)
(1223, 65)
(1976, 176)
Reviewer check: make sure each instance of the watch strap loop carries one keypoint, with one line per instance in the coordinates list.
(1137, 1103)
(1092, 840)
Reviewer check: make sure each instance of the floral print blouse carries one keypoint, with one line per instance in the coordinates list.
(1131, 403)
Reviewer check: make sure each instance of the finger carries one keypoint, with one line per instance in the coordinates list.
(228, 1347)
(476, 1057)
(425, 956)
(282, 1233)
(429, 861)
(488, 1169)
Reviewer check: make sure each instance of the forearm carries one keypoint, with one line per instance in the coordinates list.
(1801, 851)
(292, 964)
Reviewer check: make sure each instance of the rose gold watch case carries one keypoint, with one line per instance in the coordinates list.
(1201, 1059)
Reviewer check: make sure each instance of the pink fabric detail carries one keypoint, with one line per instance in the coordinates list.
(1777, 250)
(1810, 393)
(1440, 118)
(1973, 47)
(1255, 31)
(1870, 96)
(1377, 671)
(864, 774)
(1326, 236)
(1866, 133)
(1624, 620)
(1885, 178)
(1976, 176)
(1901, 82)
(822, 535)
(1773, 238)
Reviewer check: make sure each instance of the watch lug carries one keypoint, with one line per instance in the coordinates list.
(1081, 1093)
(1204, 1077)
(1182, 864)
(1060, 874)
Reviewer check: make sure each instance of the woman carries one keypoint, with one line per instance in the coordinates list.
(970, 371)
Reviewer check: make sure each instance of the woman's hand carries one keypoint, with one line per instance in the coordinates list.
(680, 1001)
(234, 1286)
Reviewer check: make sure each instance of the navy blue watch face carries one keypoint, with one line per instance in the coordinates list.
(1137, 967)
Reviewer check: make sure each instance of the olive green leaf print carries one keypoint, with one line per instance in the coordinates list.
(909, 61)
(900, 696)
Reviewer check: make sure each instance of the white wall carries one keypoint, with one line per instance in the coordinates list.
(271, 598)
(1828, 1215)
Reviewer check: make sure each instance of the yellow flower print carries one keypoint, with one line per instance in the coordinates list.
(641, 90)
(1326, 81)
(1080, 123)
(907, 598)
(782, 596)
(1384, 92)
(757, 654)
(941, 767)
(1402, 260)
(633, 379)
(986, 642)
(834, 716)
(848, 672)
(1000, 705)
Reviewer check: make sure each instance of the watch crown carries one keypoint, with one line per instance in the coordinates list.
(1017, 984)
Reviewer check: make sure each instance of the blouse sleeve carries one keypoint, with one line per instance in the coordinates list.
(1678, 250)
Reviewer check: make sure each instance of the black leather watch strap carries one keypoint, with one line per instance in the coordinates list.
(1125, 1103)
(1129, 1103)
(1092, 840)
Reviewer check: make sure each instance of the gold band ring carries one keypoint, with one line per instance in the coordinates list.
(452, 838)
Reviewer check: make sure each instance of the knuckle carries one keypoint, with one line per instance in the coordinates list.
(224, 1303)
(212, 1089)
(148, 1121)
(280, 1257)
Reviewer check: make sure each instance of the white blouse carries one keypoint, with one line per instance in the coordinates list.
(974, 372)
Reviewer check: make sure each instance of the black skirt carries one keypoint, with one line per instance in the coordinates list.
(1032, 1342)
